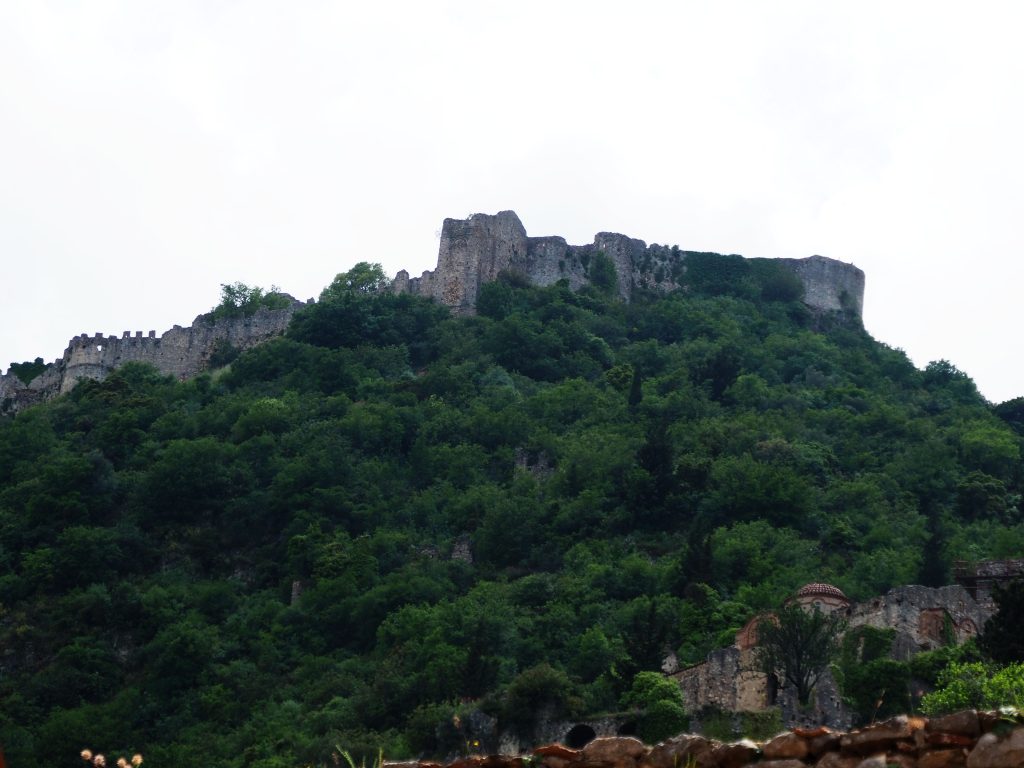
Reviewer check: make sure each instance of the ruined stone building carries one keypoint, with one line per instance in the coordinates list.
(476, 250)
(924, 619)
(472, 252)
(981, 579)
(179, 352)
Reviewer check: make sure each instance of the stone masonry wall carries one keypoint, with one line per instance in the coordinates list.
(967, 739)
(924, 619)
(474, 251)
(179, 352)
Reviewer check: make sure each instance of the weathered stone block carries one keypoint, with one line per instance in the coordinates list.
(614, 751)
(987, 721)
(875, 761)
(734, 755)
(950, 740)
(557, 750)
(881, 736)
(837, 760)
(964, 723)
(786, 745)
(678, 750)
(790, 763)
(991, 751)
(942, 758)
(826, 742)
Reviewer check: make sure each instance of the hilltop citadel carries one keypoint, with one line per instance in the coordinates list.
(472, 252)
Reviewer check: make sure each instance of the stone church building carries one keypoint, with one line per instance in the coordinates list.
(924, 619)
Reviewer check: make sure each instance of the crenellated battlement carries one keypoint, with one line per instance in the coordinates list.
(180, 352)
(472, 252)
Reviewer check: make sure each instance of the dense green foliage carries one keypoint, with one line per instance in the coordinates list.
(976, 685)
(27, 371)
(731, 726)
(629, 480)
(797, 646)
(241, 300)
(1002, 639)
(659, 703)
(873, 684)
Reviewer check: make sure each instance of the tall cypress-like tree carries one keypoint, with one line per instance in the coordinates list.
(1002, 639)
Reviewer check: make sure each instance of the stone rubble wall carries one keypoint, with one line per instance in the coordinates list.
(924, 618)
(179, 352)
(474, 251)
(966, 739)
(919, 616)
(731, 680)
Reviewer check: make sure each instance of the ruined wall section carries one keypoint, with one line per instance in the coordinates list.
(476, 250)
(731, 680)
(180, 352)
(830, 285)
(473, 251)
(923, 617)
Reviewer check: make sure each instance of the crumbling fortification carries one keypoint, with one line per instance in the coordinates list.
(924, 618)
(180, 352)
(476, 250)
(473, 251)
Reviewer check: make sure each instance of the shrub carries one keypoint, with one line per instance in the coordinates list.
(976, 685)
(661, 706)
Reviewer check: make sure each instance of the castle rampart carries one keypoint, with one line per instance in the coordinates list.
(476, 250)
(472, 252)
(179, 352)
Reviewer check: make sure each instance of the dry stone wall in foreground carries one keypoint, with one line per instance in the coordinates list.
(963, 740)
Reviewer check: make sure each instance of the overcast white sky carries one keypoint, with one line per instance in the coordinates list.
(150, 151)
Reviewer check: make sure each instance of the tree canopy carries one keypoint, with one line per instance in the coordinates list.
(797, 645)
(239, 300)
(391, 517)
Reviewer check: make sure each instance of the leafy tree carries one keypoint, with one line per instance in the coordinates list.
(927, 666)
(976, 685)
(223, 353)
(659, 701)
(602, 273)
(363, 278)
(797, 646)
(537, 689)
(239, 300)
(872, 683)
(943, 376)
(391, 509)
(1012, 412)
(27, 371)
(1002, 639)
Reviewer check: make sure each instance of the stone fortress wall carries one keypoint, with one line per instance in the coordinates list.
(179, 352)
(474, 251)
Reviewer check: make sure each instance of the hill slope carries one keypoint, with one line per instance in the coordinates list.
(390, 511)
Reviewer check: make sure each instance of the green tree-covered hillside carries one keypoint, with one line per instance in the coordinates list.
(391, 515)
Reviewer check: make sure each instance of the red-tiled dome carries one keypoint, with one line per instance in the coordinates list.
(821, 590)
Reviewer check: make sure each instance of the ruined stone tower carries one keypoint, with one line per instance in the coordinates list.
(474, 251)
